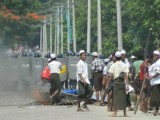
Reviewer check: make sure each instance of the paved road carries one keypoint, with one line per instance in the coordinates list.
(66, 113)
(16, 107)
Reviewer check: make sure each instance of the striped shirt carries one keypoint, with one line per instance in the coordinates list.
(97, 65)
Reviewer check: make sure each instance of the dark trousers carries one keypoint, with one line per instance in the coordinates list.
(128, 100)
(155, 97)
(92, 82)
(73, 83)
(64, 84)
(55, 83)
(84, 91)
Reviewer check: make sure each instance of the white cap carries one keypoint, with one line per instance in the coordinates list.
(49, 59)
(156, 52)
(132, 57)
(53, 56)
(110, 56)
(118, 54)
(95, 54)
(81, 51)
(123, 52)
(106, 60)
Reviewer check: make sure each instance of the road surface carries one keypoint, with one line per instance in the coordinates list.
(18, 107)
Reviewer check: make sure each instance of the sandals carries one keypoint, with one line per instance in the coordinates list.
(130, 109)
(114, 115)
(126, 116)
(80, 110)
(101, 104)
(156, 113)
(85, 107)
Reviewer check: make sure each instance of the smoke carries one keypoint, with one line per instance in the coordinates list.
(16, 83)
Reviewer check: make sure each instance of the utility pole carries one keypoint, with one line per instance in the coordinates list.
(99, 26)
(119, 25)
(61, 29)
(89, 27)
(55, 36)
(44, 38)
(58, 32)
(41, 37)
(43, 47)
(68, 25)
(50, 33)
(74, 29)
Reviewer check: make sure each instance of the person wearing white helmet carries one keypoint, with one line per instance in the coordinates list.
(133, 58)
(119, 73)
(131, 69)
(124, 59)
(154, 73)
(54, 67)
(97, 66)
(84, 86)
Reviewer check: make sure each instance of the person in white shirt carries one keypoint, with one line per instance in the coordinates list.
(85, 88)
(54, 67)
(154, 73)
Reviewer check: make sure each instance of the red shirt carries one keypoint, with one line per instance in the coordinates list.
(46, 73)
(143, 70)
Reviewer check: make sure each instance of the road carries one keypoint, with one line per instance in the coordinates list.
(16, 107)
(66, 113)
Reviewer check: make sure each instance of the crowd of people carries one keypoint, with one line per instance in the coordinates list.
(27, 51)
(115, 77)
(23, 51)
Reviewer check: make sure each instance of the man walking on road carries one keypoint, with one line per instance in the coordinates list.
(85, 88)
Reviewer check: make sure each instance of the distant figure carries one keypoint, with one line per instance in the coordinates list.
(85, 89)
(131, 69)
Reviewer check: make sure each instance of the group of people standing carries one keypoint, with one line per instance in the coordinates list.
(146, 81)
(102, 75)
(116, 76)
(113, 78)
